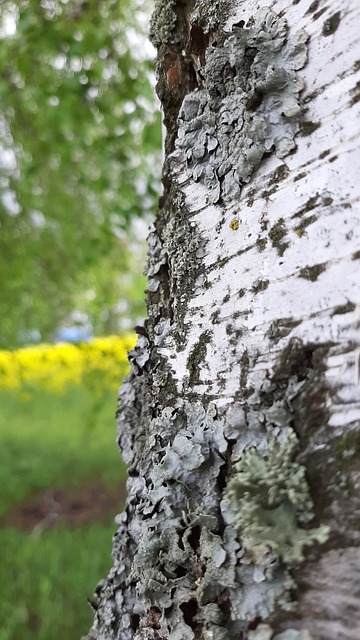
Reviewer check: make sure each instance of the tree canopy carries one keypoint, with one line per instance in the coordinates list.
(79, 140)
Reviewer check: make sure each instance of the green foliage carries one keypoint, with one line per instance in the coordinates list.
(78, 133)
(112, 291)
(270, 501)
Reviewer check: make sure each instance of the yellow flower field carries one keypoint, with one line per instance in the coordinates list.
(100, 363)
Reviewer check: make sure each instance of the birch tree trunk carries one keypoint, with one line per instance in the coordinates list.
(240, 418)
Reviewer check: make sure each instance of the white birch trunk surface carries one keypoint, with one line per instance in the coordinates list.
(253, 336)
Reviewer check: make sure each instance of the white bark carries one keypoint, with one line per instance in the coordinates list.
(252, 337)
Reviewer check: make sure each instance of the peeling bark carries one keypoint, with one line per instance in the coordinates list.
(240, 417)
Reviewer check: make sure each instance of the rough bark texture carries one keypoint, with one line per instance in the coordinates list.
(240, 418)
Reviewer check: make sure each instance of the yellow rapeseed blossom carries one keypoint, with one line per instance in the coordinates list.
(99, 364)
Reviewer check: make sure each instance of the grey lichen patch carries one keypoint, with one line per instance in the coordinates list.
(270, 507)
(331, 24)
(312, 272)
(293, 634)
(156, 260)
(163, 23)
(277, 234)
(270, 502)
(175, 252)
(169, 561)
(262, 632)
(265, 632)
(247, 106)
(210, 15)
(181, 248)
(180, 244)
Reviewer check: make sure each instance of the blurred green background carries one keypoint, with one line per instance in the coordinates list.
(80, 163)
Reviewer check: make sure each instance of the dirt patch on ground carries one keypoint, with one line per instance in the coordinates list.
(92, 501)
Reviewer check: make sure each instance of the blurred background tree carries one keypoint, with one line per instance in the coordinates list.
(79, 163)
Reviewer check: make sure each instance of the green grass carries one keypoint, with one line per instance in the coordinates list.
(44, 582)
(46, 442)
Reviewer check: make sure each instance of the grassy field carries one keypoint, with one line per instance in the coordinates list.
(45, 581)
(53, 442)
